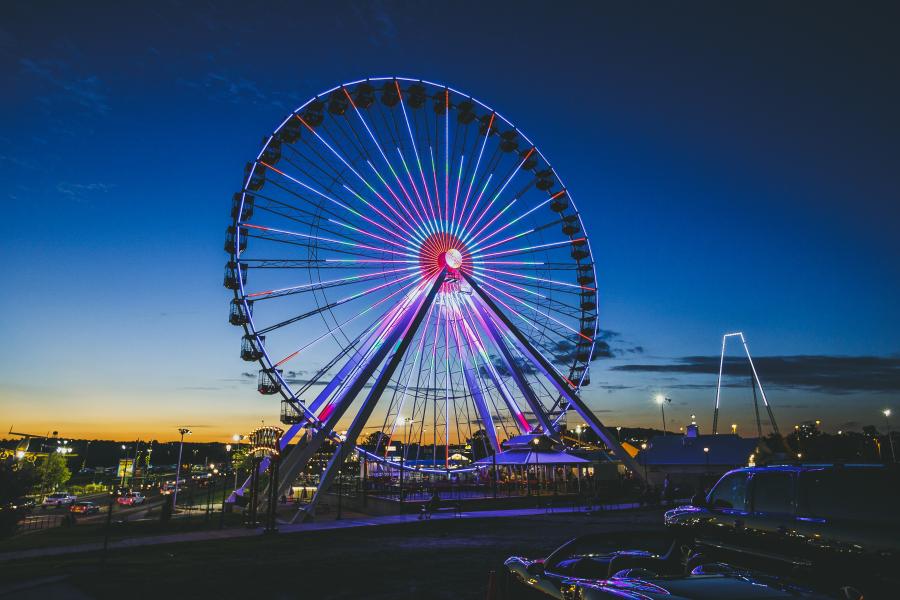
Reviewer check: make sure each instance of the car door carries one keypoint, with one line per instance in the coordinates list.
(769, 537)
(727, 510)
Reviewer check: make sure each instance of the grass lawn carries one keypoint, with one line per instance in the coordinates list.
(424, 559)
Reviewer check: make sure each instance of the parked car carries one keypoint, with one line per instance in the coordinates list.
(591, 568)
(24, 503)
(85, 508)
(837, 526)
(131, 499)
(59, 499)
(718, 581)
(587, 559)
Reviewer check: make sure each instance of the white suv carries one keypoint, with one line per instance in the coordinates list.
(59, 499)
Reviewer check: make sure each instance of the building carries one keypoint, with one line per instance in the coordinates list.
(694, 461)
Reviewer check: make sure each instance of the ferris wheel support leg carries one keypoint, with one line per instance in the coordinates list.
(288, 463)
(516, 371)
(481, 405)
(380, 384)
(499, 384)
(342, 401)
(558, 382)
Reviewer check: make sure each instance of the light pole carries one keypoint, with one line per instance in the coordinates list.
(706, 452)
(619, 433)
(183, 431)
(661, 400)
(887, 420)
(578, 431)
(237, 440)
(124, 465)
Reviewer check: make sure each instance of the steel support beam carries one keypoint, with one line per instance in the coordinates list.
(510, 361)
(557, 380)
(298, 458)
(293, 461)
(374, 395)
(521, 422)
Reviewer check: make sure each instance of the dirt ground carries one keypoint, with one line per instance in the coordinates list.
(424, 559)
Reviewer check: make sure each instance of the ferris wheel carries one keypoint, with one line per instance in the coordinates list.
(408, 266)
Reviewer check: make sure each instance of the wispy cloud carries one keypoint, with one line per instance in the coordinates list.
(224, 86)
(828, 374)
(83, 191)
(65, 84)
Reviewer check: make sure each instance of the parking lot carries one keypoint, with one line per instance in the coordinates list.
(446, 558)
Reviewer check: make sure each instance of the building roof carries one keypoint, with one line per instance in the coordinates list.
(724, 449)
(532, 457)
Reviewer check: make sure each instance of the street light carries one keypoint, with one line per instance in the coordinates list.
(619, 433)
(887, 414)
(661, 400)
(734, 428)
(183, 431)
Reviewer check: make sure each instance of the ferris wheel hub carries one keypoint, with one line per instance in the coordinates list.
(453, 258)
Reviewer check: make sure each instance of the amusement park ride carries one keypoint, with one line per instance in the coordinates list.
(405, 260)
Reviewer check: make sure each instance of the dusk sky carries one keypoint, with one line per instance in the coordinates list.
(737, 168)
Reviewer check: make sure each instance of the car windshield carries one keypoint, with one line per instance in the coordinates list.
(730, 492)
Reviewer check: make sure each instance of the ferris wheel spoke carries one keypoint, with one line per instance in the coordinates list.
(487, 134)
(346, 164)
(340, 327)
(563, 306)
(415, 152)
(530, 307)
(546, 280)
(478, 255)
(383, 156)
(323, 239)
(331, 305)
(476, 240)
(376, 171)
(309, 287)
(320, 229)
(496, 195)
(395, 137)
(341, 204)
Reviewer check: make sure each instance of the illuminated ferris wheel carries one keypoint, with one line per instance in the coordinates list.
(406, 262)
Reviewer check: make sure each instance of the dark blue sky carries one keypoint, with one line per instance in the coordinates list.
(736, 167)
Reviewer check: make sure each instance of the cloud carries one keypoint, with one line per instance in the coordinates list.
(607, 344)
(223, 86)
(828, 374)
(81, 191)
(86, 91)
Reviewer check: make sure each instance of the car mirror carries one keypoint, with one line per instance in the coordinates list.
(536, 568)
(699, 500)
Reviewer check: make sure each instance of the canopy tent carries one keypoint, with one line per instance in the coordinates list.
(523, 457)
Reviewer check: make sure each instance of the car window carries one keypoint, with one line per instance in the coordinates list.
(773, 492)
(850, 493)
(730, 492)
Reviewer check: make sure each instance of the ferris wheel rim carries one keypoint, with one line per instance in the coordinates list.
(240, 293)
